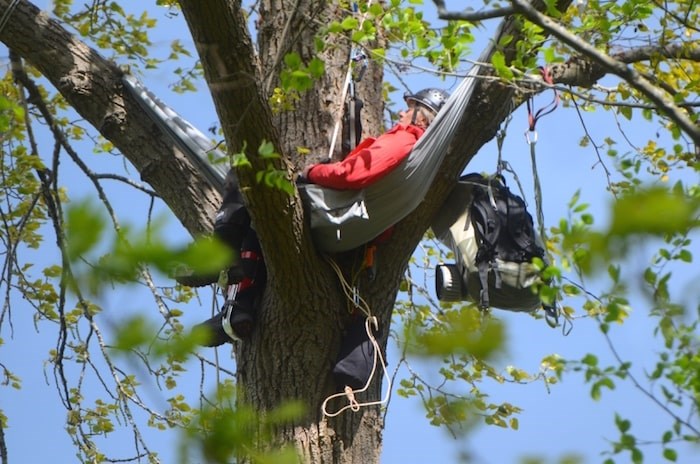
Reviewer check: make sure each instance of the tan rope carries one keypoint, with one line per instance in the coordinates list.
(349, 290)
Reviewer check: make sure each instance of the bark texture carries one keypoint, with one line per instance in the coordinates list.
(298, 336)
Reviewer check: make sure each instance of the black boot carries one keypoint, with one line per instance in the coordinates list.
(230, 235)
(216, 336)
(239, 318)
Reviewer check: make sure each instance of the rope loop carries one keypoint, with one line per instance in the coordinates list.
(354, 405)
(534, 116)
(351, 292)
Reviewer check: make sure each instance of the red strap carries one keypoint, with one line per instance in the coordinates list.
(247, 282)
(370, 250)
(533, 118)
(251, 255)
(384, 236)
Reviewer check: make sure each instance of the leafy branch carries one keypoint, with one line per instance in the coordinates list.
(614, 64)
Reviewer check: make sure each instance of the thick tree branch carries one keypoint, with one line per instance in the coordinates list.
(595, 70)
(220, 34)
(578, 72)
(618, 68)
(92, 86)
(470, 15)
(683, 51)
(231, 68)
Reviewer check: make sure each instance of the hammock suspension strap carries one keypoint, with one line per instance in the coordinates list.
(552, 311)
(357, 65)
(534, 116)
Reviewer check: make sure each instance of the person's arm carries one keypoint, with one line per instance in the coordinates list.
(369, 164)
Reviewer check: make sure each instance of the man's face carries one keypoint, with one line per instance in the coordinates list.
(411, 115)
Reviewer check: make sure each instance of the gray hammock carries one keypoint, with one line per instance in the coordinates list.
(341, 220)
(192, 142)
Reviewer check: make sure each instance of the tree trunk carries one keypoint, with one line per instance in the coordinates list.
(292, 351)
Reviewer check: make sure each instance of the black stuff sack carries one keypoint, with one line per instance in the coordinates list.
(356, 359)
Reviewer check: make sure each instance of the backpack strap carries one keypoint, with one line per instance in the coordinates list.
(484, 282)
(485, 222)
(487, 227)
(551, 314)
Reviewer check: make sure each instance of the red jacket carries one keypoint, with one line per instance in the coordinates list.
(370, 161)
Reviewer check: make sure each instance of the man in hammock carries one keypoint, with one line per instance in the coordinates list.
(369, 162)
(374, 158)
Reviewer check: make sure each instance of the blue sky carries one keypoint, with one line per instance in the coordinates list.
(555, 422)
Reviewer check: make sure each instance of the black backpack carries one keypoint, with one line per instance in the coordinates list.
(494, 241)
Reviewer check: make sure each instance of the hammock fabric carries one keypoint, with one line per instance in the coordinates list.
(197, 146)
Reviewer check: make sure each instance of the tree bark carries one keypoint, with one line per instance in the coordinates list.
(299, 328)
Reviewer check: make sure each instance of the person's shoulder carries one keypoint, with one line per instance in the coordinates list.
(400, 128)
(409, 128)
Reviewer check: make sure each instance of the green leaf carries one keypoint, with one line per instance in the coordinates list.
(668, 435)
(498, 60)
(335, 27)
(637, 456)
(650, 276)
(654, 211)
(549, 55)
(292, 60)
(84, 227)
(505, 40)
(350, 22)
(514, 424)
(267, 150)
(317, 67)
(133, 333)
(626, 111)
(623, 425)
(670, 454)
